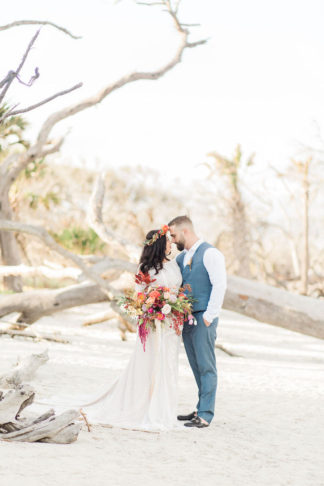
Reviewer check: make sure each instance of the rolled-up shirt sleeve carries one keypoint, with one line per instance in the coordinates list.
(214, 262)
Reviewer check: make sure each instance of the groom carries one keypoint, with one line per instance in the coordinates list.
(203, 268)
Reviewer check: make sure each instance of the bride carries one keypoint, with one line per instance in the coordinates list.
(145, 395)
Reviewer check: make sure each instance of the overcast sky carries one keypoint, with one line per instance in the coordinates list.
(259, 81)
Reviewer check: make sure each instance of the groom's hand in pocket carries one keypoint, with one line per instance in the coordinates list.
(207, 323)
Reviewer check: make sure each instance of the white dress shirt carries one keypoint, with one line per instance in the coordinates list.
(214, 263)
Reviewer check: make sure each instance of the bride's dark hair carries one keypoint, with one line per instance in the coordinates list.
(153, 255)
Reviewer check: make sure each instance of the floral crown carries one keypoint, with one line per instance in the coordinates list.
(165, 230)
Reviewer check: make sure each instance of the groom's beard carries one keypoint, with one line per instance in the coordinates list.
(180, 246)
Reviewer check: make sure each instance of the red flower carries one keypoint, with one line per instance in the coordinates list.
(143, 278)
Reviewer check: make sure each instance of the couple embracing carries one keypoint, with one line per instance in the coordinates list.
(145, 395)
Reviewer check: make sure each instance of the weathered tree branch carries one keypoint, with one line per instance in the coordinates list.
(113, 313)
(32, 79)
(95, 219)
(24, 370)
(40, 103)
(17, 163)
(41, 233)
(59, 429)
(30, 335)
(47, 427)
(38, 22)
(11, 75)
(41, 270)
(104, 265)
(226, 351)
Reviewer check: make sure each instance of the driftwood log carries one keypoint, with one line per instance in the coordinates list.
(275, 306)
(48, 427)
(253, 299)
(40, 271)
(24, 370)
(34, 304)
(19, 330)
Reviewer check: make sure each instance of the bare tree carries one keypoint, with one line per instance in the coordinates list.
(16, 162)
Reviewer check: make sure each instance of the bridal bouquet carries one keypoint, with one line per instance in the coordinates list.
(161, 303)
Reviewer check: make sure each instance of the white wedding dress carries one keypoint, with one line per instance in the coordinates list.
(145, 395)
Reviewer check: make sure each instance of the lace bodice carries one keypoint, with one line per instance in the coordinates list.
(170, 276)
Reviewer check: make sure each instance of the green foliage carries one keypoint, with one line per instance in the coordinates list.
(6, 291)
(36, 166)
(36, 199)
(11, 131)
(79, 240)
(229, 167)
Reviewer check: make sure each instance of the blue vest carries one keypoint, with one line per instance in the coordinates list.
(197, 277)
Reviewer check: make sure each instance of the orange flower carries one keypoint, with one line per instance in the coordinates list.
(182, 295)
(154, 294)
(165, 228)
(141, 296)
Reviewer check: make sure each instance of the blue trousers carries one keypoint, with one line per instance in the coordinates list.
(199, 342)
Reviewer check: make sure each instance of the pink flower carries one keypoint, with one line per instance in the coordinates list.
(191, 320)
(150, 310)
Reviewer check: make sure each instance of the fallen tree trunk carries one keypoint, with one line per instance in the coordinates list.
(41, 270)
(254, 299)
(101, 266)
(275, 306)
(34, 304)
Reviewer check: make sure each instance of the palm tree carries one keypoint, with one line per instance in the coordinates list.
(231, 169)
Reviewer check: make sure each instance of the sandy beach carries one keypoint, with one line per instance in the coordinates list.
(267, 431)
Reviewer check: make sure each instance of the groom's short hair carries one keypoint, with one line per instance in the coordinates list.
(181, 221)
